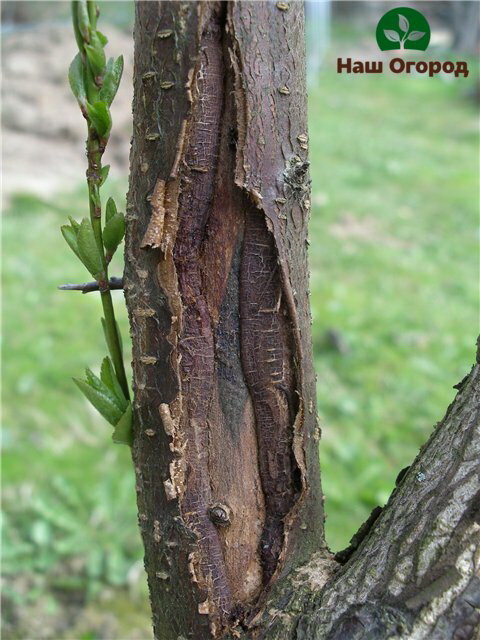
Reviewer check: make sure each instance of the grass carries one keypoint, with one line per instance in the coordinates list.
(394, 295)
(69, 495)
(394, 274)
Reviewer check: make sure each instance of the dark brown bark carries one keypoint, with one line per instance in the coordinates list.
(415, 574)
(225, 425)
(225, 428)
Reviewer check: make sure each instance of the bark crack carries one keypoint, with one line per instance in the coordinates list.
(264, 367)
(222, 437)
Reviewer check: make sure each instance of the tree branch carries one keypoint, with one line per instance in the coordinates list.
(88, 287)
(415, 574)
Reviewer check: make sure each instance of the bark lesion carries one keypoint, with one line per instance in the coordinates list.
(224, 270)
(267, 358)
(235, 329)
(220, 421)
(196, 351)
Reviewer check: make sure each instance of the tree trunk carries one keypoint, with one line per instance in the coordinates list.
(465, 24)
(225, 429)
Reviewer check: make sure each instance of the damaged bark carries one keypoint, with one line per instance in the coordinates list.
(415, 574)
(225, 426)
(216, 280)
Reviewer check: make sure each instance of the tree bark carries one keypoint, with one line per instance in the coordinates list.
(225, 429)
(415, 571)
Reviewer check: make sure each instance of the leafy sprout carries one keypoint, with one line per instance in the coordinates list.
(94, 81)
(404, 26)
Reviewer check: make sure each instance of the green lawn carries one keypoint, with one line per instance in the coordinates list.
(69, 497)
(393, 277)
(394, 270)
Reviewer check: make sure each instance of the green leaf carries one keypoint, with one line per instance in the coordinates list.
(111, 209)
(100, 385)
(113, 232)
(74, 223)
(95, 195)
(76, 28)
(101, 401)
(104, 174)
(91, 377)
(100, 117)
(83, 20)
(88, 249)
(96, 383)
(96, 55)
(102, 37)
(123, 434)
(109, 378)
(77, 80)
(92, 12)
(92, 88)
(111, 81)
(70, 236)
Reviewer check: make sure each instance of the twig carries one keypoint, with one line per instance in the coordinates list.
(87, 287)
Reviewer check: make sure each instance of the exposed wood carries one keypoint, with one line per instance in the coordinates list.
(216, 288)
(225, 428)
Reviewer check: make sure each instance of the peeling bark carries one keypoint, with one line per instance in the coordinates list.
(225, 428)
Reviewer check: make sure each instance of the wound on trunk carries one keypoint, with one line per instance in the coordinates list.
(235, 352)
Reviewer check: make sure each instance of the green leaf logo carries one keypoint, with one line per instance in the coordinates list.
(403, 23)
(415, 35)
(401, 29)
(391, 35)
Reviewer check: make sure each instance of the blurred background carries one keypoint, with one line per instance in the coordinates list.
(394, 283)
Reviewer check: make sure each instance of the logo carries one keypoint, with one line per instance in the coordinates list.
(403, 28)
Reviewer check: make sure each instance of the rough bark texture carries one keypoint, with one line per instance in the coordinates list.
(415, 573)
(216, 281)
(225, 428)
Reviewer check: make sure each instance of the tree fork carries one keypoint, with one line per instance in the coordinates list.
(416, 573)
(225, 428)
